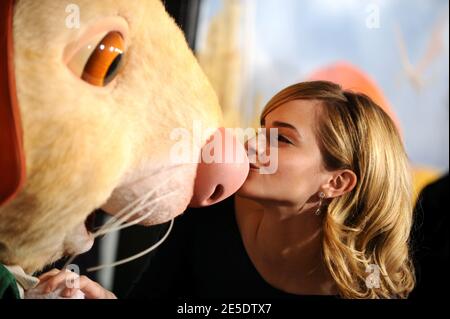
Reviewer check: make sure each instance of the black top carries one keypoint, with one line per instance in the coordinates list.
(431, 243)
(204, 257)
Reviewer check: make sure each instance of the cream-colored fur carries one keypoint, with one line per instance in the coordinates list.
(87, 146)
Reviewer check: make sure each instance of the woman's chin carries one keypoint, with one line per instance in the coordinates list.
(250, 191)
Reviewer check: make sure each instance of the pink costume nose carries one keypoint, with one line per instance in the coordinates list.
(222, 170)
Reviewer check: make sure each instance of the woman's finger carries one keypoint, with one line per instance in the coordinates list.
(45, 276)
(93, 290)
(62, 276)
(69, 292)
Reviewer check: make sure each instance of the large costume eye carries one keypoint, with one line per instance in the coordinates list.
(98, 62)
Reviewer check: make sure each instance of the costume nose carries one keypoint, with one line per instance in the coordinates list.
(222, 170)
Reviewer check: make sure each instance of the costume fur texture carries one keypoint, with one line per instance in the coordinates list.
(88, 147)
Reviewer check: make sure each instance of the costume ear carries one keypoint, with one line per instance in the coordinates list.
(12, 159)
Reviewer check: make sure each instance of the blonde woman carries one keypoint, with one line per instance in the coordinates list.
(342, 146)
(334, 219)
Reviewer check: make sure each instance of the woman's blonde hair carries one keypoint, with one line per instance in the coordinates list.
(367, 230)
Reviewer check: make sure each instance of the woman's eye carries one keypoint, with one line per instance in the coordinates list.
(98, 63)
(283, 139)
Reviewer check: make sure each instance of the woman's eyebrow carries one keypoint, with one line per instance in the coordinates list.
(287, 125)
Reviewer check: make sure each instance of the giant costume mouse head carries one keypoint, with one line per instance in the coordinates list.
(86, 116)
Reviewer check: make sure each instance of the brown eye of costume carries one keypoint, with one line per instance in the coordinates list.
(99, 63)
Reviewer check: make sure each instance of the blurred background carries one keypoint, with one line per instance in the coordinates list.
(251, 49)
(396, 51)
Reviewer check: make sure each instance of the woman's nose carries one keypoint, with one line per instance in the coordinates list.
(222, 170)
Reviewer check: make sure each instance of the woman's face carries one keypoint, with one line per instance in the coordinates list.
(300, 171)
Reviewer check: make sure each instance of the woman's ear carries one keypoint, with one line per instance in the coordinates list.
(341, 182)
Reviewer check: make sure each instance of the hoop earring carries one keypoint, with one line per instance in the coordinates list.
(321, 197)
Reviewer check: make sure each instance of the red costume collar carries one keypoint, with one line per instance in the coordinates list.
(12, 159)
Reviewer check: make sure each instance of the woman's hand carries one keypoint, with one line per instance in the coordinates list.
(55, 278)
